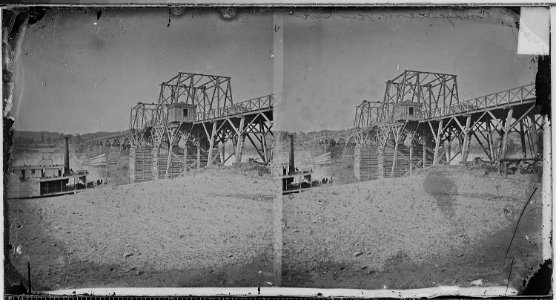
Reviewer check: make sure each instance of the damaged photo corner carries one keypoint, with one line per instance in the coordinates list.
(411, 145)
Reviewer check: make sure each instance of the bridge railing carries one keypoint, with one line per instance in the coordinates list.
(260, 103)
(503, 98)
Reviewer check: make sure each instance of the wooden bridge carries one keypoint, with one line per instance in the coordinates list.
(198, 110)
(423, 108)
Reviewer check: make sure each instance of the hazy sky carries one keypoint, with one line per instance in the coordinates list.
(335, 60)
(78, 76)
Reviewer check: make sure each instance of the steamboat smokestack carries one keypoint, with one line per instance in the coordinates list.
(292, 162)
(66, 157)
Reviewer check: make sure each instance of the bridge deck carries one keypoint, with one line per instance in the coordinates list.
(496, 104)
(238, 110)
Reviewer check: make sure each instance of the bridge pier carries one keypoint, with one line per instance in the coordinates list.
(198, 155)
(522, 139)
(155, 152)
(211, 138)
(437, 142)
(466, 139)
(380, 161)
(534, 135)
(411, 157)
(424, 144)
(507, 128)
(222, 149)
(131, 165)
(492, 155)
(397, 133)
(448, 148)
(185, 167)
(239, 147)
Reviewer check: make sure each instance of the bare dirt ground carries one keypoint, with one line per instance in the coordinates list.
(209, 228)
(444, 226)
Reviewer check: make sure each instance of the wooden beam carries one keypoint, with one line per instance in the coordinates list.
(522, 138)
(185, 156)
(424, 143)
(534, 135)
(487, 151)
(211, 144)
(506, 133)
(263, 143)
(198, 155)
(490, 141)
(380, 161)
(437, 143)
(411, 157)
(240, 140)
(255, 145)
(155, 151)
(396, 131)
(466, 139)
(448, 146)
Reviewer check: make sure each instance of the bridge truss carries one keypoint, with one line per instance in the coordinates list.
(435, 118)
(216, 121)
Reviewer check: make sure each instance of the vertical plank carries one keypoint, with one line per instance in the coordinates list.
(437, 142)
(240, 140)
(466, 139)
(411, 158)
(534, 135)
(211, 144)
(522, 134)
(424, 144)
(131, 170)
(506, 133)
(198, 155)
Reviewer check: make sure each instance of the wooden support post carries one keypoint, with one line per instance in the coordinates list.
(411, 157)
(185, 156)
(380, 160)
(394, 159)
(506, 133)
(448, 147)
(490, 141)
(240, 140)
(155, 151)
(424, 144)
(357, 161)
(437, 143)
(466, 139)
(265, 148)
(211, 144)
(239, 149)
(223, 142)
(222, 150)
(131, 168)
(198, 155)
(169, 160)
(263, 141)
(522, 138)
(534, 135)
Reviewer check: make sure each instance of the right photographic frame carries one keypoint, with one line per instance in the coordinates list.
(413, 148)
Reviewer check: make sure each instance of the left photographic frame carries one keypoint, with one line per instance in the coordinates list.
(129, 159)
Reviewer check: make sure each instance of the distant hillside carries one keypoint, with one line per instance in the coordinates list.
(46, 137)
(302, 138)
